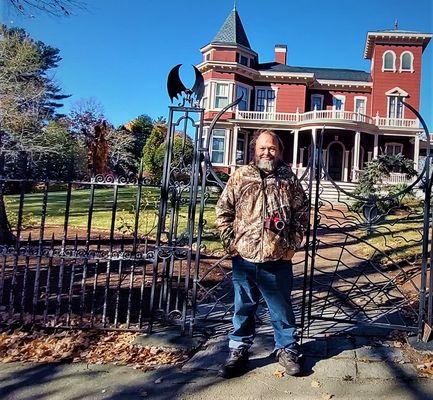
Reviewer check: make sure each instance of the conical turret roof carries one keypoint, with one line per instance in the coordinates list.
(232, 32)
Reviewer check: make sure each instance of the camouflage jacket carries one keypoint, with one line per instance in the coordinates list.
(249, 200)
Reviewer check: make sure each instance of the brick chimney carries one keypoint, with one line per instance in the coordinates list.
(281, 53)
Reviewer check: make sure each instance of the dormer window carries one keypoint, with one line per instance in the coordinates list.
(406, 61)
(388, 61)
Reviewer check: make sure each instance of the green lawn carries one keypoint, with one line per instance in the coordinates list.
(399, 237)
(102, 211)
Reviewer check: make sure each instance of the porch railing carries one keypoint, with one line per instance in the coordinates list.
(393, 179)
(331, 115)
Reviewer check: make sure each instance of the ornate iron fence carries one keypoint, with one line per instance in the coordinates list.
(139, 258)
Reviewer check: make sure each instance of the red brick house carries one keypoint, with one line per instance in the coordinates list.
(360, 110)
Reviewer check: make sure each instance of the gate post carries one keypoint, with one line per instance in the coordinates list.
(425, 326)
(315, 167)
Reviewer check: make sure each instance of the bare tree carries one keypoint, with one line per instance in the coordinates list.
(57, 8)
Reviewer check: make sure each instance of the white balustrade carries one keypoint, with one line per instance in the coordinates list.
(331, 115)
(395, 178)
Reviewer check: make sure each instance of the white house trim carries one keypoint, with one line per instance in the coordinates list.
(411, 62)
(394, 57)
(331, 82)
(360, 98)
(397, 91)
(269, 87)
(343, 100)
(226, 146)
(212, 92)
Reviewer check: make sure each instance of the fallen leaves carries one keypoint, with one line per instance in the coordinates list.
(315, 384)
(279, 374)
(84, 346)
(426, 367)
(327, 396)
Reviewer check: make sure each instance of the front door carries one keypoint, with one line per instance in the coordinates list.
(335, 161)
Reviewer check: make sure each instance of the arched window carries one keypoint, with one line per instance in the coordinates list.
(388, 61)
(406, 61)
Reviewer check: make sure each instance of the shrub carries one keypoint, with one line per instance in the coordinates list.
(370, 184)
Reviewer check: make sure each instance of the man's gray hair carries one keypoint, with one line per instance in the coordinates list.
(269, 132)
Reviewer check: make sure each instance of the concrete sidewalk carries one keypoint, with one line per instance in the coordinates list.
(335, 368)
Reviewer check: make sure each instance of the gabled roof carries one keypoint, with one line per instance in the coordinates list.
(232, 32)
(319, 73)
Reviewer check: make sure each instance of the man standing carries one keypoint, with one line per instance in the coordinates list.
(262, 216)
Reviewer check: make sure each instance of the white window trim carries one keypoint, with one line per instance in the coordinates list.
(394, 144)
(270, 87)
(360, 98)
(343, 101)
(388, 103)
(411, 62)
(212, 92)
(206, 106)
(226, 153)
(245, 86)
(394, 61)
(397, 91)
(322, 98)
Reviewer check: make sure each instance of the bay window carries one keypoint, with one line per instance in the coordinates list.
(221, 95)
(244, 92)
(218, 145)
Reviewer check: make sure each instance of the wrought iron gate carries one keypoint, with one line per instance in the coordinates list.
(354, 270)
(147, 265)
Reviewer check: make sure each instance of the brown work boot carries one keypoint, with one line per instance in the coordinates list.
(289, 359)
(235, 364)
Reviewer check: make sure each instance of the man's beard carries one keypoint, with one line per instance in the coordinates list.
(266, 165)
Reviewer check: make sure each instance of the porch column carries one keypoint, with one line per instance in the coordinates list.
(356, 151)
(247, 147)
(295, 150)
(416, 152)
(313, 137)
(345, 166)
(301, 155)
(234, 148)
(376, 146)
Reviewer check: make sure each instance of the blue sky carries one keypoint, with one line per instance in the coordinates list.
(120, 52)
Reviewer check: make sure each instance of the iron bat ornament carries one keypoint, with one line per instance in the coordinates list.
(176, 88)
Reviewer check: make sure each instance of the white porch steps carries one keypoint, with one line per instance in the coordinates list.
(330, 193)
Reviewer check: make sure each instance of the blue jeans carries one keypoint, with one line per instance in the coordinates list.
(274, 280)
